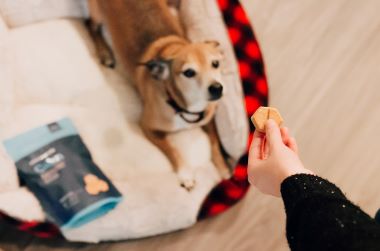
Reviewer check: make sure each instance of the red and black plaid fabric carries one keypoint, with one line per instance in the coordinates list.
(251, 66)
(39, 229)
(255, 87)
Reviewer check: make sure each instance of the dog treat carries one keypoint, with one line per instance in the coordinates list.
(262, 114)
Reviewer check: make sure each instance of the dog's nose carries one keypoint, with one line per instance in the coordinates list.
(215, 90)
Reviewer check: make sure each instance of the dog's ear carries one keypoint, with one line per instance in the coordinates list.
(158, 68)
(213, 42)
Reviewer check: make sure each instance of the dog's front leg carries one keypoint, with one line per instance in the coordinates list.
(94, 25)
(161, 140)
(216, 153)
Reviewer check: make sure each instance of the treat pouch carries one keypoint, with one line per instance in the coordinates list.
(55, 164)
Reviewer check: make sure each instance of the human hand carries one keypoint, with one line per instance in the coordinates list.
(273, 157)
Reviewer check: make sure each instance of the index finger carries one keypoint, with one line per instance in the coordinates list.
(257, 141)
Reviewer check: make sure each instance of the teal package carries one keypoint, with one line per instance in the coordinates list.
(55, 164)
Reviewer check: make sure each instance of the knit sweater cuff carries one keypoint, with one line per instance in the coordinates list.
(299, 187)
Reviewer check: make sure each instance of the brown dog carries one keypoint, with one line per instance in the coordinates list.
(179, 81)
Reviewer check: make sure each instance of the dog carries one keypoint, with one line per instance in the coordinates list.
(180, 82)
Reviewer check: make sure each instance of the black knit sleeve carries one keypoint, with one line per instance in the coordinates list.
(319, 217)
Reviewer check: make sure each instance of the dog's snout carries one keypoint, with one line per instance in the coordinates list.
(216, 91)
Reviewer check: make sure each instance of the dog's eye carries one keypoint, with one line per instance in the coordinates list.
(215, 64)
(189, 73)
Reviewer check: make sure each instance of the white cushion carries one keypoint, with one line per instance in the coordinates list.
(8, 177)
(21, 12)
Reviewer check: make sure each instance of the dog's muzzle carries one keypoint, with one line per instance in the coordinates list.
(183, 113)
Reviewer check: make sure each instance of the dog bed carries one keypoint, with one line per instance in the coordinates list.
(56, 74)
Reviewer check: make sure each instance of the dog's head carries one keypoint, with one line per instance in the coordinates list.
(191, 73)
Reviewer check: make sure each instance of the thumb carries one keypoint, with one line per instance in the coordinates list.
(273, 134)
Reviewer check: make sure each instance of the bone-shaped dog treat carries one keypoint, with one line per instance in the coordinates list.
(262, 114)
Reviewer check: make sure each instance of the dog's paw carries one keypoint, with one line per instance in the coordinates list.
(186, 179)
(188, 184)
(108, 60)
(225, 173)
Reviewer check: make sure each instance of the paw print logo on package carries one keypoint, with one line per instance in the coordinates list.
(94, 185)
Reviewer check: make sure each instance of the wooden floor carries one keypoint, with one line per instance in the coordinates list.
(323, 63)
